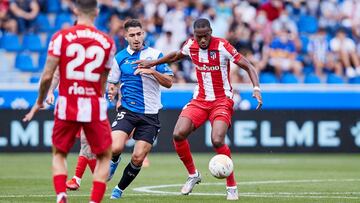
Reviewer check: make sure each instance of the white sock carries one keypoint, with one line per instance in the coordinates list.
(60, 196)
(78, 180)
(196, 174)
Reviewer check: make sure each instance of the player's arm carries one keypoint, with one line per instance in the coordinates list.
(169, 58)
(250, 69)
(163, 79)
(51, 63)
(50, 98)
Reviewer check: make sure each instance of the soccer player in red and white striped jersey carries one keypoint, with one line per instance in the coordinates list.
(84, 56)
(212, 98)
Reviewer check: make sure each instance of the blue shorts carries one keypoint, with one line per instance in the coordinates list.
(147, 126)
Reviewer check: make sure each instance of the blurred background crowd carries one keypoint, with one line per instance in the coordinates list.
(293, 41)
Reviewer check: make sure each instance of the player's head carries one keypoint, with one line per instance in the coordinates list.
(134, 34)
(202, 32)
(86, 8)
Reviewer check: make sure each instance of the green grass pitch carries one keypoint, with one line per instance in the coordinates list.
(261, 178)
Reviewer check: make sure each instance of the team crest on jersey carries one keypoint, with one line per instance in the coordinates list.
(213, 55)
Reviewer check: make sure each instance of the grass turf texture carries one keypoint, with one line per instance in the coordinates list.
(261, 178)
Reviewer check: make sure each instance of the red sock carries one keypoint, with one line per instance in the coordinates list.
(81, 166)
(98, 191)
(230, 181)
(183, 150)
(92, 164)
(59, 183)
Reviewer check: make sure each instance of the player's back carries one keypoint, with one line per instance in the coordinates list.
(85, 54)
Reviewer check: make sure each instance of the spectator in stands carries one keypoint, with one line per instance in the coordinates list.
(284, 22)
(329, 15)
(178, 74)
(282, 54)
(321, 56)
(25, 12)
(272, 9)
(4, 7)
(345, 49)
(167, 43)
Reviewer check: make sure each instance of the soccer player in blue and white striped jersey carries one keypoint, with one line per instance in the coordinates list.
(140, 102)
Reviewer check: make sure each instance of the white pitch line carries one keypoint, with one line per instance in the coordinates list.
(150, 189)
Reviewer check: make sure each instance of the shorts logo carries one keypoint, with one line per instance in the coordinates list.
(114, 124)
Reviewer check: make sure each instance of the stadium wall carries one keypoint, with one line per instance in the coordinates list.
(252, 131)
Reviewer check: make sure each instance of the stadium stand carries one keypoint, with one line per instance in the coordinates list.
(250, 25)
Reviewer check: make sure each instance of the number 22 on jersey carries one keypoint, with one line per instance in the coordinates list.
(81, 55)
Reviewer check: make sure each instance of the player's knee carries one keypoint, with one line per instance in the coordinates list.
(117, 148)
(179, 134)
(217, 142)
(137, 159)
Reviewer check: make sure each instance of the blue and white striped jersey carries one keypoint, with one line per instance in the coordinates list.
(139, 93)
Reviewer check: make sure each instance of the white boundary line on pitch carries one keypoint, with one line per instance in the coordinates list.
(150, 189)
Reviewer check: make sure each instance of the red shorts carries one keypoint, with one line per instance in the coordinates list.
(200, 111)
(98, 134)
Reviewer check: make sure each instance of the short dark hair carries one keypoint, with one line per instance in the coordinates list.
(132, 23)
(86, 5)
(202, 23)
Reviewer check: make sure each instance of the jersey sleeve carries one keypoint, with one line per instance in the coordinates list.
(111, 59)
(230, 52)
(185, 49)
(114, 75)
(164, 68)
(55, 44)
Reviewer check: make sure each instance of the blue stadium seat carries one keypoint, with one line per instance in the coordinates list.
(308, 69)
(289, 78)
(53, 6)
(355, 80)
(42, 61)
(61, 19)
(307, 24)
(34, 79)
(42, 23)
(24, 62)
(312, 79)
(32, 42)
(304, 43)
(268, 78)
(11, 42)
(334, 79)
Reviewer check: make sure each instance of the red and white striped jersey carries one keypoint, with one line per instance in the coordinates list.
(85, 53)
(212, 67)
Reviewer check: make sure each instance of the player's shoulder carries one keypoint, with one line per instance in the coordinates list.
(121, 55)
(150, 53)
(221, 40)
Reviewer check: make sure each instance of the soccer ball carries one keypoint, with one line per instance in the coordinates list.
(221, 166)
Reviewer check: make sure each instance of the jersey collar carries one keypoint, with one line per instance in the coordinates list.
(131, 52)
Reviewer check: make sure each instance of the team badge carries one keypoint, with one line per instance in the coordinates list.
(213, 55)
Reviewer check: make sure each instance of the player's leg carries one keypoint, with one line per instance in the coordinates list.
(141, 149)
(220, 118)
(191, 117)
(63, 139)
(98, 134)
(146, 131)
(86, 157)
(121, 127)
(59, 174)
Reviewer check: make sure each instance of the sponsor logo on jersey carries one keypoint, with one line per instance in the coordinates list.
(75, 89)
(208, 68)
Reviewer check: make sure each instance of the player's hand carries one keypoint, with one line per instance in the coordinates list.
(257, 95)
(33, 111)
(112, 91)
(143, 71)
(50, 99)
(144, 63)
